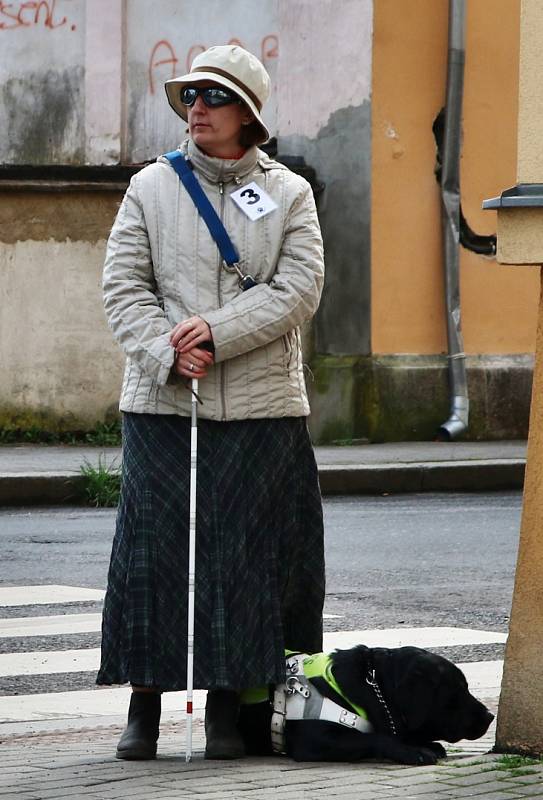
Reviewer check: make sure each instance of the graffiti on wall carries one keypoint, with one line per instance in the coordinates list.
(41, 14)
(163, 55)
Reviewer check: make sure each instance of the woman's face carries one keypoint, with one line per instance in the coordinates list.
(217, 130)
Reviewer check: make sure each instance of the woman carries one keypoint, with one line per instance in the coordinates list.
(178, 314)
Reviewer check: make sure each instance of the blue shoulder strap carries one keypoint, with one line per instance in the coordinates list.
(207, 212)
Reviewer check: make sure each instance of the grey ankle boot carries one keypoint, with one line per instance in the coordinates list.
(140, 736)
(223, 740)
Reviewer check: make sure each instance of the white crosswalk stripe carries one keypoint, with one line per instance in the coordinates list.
(90, 707)
(43, 662)
(50, 626)
(60, 624)
(47, 595)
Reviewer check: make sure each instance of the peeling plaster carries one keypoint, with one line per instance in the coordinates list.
(42, 115)
(341, 156)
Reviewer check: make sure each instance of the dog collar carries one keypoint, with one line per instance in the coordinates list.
(371, 680)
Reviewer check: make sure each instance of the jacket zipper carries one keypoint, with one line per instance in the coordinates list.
(222, 366)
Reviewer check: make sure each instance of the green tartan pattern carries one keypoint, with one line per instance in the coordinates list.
(259, 554)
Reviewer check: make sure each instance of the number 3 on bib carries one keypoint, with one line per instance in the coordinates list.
(253, 201)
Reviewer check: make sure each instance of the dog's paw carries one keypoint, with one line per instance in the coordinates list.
(424, 756)
(437, 748)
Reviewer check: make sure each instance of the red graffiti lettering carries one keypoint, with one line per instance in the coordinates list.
(29, 14)
(172, 59)
(4, 12)
(270, 47)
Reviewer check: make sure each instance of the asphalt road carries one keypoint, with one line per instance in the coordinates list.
(404, 559)
(423, 559)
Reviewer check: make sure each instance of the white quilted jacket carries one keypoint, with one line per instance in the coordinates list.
(162, 266)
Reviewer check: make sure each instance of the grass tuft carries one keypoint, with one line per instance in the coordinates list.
(106, 434)
(515, 762)
(102, 483)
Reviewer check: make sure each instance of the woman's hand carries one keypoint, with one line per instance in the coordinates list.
(189, 334)
(193, 363)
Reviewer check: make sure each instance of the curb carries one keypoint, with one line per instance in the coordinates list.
(45, 489)
(335, 479)
(458, 476)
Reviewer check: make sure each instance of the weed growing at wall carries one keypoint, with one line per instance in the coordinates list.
(102, 483)
(106, 434)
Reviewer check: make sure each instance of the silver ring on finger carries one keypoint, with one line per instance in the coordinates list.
(191, 367)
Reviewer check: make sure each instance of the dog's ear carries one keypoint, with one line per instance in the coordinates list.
(415, 692)
(350, 670)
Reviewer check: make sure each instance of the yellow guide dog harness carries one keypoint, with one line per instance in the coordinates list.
(298, 698)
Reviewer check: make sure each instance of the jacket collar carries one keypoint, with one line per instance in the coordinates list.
(220, 170)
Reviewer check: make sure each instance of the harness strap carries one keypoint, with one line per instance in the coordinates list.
(217, 230)
(298, 699)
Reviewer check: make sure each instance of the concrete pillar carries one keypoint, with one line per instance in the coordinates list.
(520, 241)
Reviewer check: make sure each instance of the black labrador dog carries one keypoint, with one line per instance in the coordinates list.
(411, 698)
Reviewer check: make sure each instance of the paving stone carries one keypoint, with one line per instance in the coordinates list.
(425, 790)
(111, 791)
(436, 794)
(482, 790)
(355, 794)
(529, 791)
(411, 778)
(16, 770)
(56, 792)
(73, 782)
(201, 784)
(517, 784)
(16, 795)
(284, 794)
(497, 796)
(90, 771)
(492, 776)
(466, 772)
(467, 761)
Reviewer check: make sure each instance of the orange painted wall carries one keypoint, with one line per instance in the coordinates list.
(499, 304)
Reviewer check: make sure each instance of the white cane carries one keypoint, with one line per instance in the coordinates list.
(192, 562)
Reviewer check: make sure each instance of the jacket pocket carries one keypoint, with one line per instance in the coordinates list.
(288, 341)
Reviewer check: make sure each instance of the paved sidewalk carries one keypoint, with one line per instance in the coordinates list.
(81, 765)
(42, 474)
(75, 759)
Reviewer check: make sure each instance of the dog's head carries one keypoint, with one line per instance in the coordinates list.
(427, 695)
(434, 700)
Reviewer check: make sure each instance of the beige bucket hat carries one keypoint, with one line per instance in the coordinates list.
(232, 67)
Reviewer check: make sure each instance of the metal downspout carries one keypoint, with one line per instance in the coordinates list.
(450, 207)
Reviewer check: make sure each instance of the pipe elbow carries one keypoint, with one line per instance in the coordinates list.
(457, 422)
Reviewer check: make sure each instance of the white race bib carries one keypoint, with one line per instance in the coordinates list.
(253, 201)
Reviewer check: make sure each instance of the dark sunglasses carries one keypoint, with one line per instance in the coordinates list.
(213, 96)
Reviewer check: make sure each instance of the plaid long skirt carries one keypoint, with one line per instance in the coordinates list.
(259, 554)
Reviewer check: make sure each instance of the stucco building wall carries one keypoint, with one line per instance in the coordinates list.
(60, 367)
(499, 304)
(356, 87)
(324, 114)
